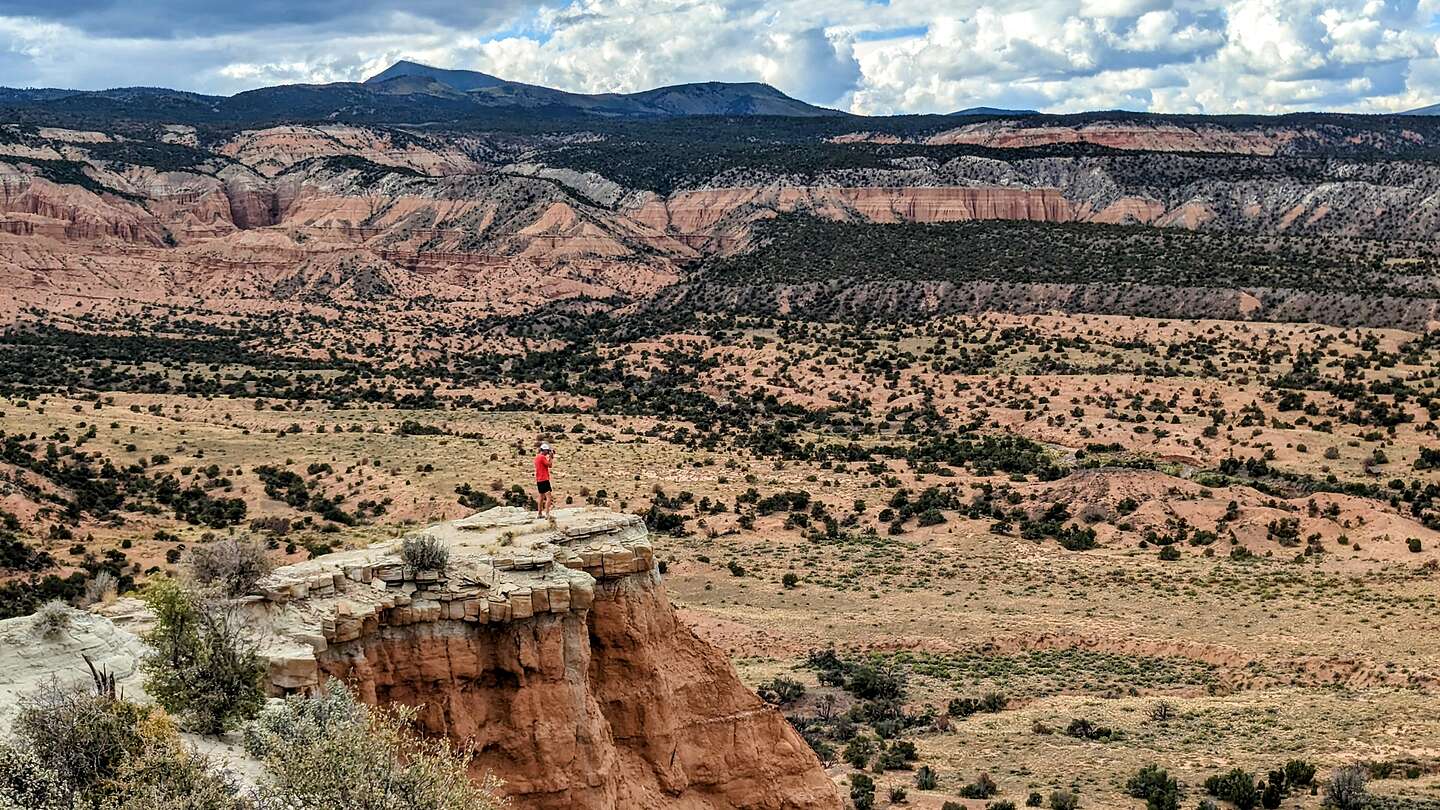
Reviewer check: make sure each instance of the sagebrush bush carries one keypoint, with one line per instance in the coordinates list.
(982, 788)
(101, 588)
(27, 782)
(76, 748)
(1064, 800)
(1346, 788)
(51, 620)
(168, 775)
(334, 751)
(425, 553)
(81, 737)
(232, 564)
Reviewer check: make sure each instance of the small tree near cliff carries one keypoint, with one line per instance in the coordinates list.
(200, 668)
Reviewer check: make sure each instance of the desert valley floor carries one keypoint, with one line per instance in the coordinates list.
(1200, 544)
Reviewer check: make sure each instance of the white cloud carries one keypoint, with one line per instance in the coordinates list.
(905, 56)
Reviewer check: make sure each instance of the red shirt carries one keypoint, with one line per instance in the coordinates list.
(542, 467)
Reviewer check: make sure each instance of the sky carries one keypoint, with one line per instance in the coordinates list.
(866, 56)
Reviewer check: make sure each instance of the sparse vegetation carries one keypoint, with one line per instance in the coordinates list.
(52, 620)
(425, 553)
(232, 564)
(332, 750)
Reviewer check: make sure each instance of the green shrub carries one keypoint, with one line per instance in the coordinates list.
(169, 775)
(475, 499)
(862, 791)
(926, 778)
(781, 690)
(1299, 773)
(962, 707)
(1236, 786)
(1272, 794)
(83, 749)
(1083, 729)
(200, 668)
(982, 788)
(895, 757)
(1158, 788)
(78, 735)
(1064, 800)
(858, 752)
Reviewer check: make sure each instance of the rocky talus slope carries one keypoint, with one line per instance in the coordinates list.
(555, 651)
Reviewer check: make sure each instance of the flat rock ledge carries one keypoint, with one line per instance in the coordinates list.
(506, 565)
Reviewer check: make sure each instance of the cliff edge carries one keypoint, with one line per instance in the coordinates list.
(556, 652)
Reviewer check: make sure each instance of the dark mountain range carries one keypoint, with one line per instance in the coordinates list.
(703, 98)
(405, 93)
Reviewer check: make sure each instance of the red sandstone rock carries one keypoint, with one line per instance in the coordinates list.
(555, 653)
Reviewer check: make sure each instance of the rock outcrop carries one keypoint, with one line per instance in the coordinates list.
(29, 660)
(554, 650)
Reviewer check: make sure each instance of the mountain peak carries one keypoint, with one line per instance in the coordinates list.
(464, 80)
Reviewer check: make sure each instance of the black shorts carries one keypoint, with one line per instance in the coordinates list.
(543, 486)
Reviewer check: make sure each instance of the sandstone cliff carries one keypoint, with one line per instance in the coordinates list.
(555, 651)
(495, 224)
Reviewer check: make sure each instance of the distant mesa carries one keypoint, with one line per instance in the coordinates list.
(1433, 109)
(993, 111)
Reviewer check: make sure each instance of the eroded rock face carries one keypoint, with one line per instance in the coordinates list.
(29, 660)
(555, 651)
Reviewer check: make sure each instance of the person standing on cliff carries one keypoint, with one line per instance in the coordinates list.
(543, 460)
